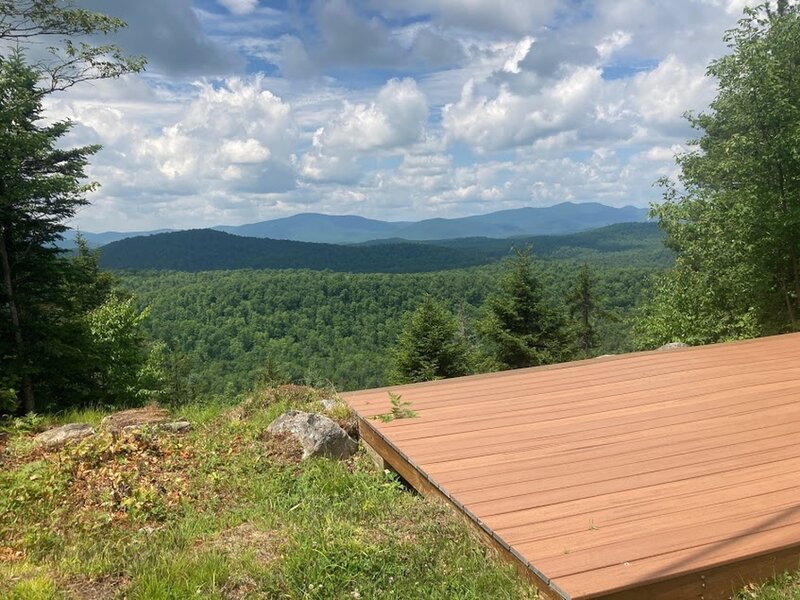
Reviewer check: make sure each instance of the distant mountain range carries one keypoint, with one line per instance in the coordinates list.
(562, 218)
(629, 244)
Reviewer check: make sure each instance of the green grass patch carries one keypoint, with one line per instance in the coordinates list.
(221, 512)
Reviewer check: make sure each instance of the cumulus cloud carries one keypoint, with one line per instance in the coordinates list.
(672, 88)
(509, 119)
(396, 118)
(170, 36)
(391, 109)
(237, 132)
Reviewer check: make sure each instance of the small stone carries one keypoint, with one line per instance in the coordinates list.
(58, 436)
(673, 346)
(330, 403)
(176, 426)
(318, 435)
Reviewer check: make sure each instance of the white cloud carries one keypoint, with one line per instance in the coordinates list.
(672, 88)
(495, 104)
(395, 119)
(520, 51)
(244, 151)
(509, 119)
(611, 43)
(239, 125)
(239, 7)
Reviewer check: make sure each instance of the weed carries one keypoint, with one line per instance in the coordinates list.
(400, 410)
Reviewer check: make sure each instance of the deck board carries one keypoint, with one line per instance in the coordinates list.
(663, 474)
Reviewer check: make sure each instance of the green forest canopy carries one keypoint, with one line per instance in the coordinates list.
(227, 329)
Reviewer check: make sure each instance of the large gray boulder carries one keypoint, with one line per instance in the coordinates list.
(318, 434)
(58, 436)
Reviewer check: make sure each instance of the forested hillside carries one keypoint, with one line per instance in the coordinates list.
(631, 244)
(228, 329)
(209, 250)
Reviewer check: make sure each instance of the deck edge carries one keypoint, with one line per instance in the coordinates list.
(426, 486)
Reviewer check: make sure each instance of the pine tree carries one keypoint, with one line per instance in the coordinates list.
(40, 188)
(522, 329)
(430, 346)
(582, 301)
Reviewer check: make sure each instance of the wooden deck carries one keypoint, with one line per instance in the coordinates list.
(654, 475)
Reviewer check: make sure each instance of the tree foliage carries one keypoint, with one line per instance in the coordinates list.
(123, 369)
(226, 330)
(734, 215)
(582, 302)
(65, 27)
(40, 188)
(522, 328)
(430, 346)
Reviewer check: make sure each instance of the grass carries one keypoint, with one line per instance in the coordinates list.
(226, 511)
(229, 512)
(783, 587)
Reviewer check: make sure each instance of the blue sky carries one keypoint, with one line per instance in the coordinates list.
(251, 110)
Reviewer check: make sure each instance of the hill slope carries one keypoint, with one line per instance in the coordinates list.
(348, 229)
(561, 218)
(628, 244)
(227, 511)
(315, 227)
(208, 250)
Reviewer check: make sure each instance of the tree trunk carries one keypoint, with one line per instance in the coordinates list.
(28, 401)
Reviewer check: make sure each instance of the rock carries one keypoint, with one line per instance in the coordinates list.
(318, 434)
(330, 403)
(53, 438)
(673, 346)
(176, 426)
(135, 417)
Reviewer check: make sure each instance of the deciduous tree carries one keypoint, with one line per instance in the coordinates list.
(734, 215)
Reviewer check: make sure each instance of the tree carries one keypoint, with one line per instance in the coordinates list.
(123, 369)
(73, 61)
(522, 329)
(429, 346)
(40, 182)
(734, 215)
(40, 188)
(582, 301)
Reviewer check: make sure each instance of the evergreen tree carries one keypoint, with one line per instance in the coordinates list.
(40, 188)
(734, 217)
(582, 300)
(522, 329)
(430, 346)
